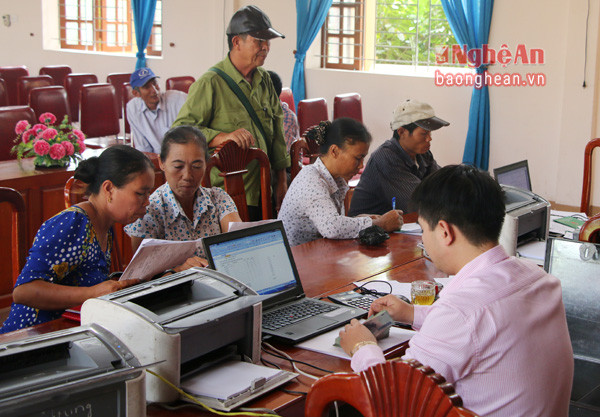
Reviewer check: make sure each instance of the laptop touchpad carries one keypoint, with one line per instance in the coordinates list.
(313, 323)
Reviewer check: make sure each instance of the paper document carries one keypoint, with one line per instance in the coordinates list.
(157, 255)
(324, 342)
(411, 229)
(230, 379)
(560, 228)
(535, 251)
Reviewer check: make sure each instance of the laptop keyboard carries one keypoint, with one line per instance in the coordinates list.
(294, 313)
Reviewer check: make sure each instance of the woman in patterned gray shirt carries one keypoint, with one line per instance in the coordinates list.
(314, 204)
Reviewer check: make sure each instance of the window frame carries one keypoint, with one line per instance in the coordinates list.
(100, 31)
(357, 37)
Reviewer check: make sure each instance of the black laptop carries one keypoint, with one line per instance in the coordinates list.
(261, 258)
(577, 266)
(516, 175)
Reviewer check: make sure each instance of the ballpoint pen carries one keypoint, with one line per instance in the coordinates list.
(393, 203)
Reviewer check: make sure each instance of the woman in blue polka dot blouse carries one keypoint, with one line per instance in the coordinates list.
(181, 209)
(69, 261)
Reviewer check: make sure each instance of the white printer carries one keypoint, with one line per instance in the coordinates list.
(83, 371)
(527, 218)
(183, 323)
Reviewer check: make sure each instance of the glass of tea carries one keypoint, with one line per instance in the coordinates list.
(422, 292)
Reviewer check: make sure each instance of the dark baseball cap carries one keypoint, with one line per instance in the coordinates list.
(252, 21)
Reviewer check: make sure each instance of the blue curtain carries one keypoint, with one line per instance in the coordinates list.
(143, 17)
(310, 16)
(470, 22)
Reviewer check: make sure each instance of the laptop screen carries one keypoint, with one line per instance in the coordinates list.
(259, 260)
(516, 174)
(577, 266)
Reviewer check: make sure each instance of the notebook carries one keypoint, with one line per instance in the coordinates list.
(577, 265)
(261, 258)
(516, 174)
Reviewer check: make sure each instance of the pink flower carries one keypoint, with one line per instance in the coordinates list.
(41, 147)
(47, 118)
(27, 134)
(79, 134)
(22, 126)
(69, 148)
(81, 146)
(49, 134)
(57, 151)
(38, 128)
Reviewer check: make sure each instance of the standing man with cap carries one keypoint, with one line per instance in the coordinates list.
(400, 164)
(150, 113)
(235, 100)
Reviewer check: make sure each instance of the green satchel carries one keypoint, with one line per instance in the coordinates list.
(242, 97)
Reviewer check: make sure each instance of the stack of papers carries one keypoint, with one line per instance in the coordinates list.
(564, 223)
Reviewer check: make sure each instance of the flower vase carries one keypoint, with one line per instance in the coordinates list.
(48, 163)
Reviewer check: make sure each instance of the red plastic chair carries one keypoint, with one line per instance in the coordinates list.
(51, 99)
(9, 116)
(182, 83)
(391, 389)
(288, 97)
(117, 79)
(19, 251)
(127, 95)
(3, 93)
(587, 175)
(232, 160)
(57, 72)
(347, 105)
(73, 84)
(10, 75)
(28, 83)
(311, 112)
(99, 110)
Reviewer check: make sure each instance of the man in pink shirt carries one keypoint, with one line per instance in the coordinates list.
(498, 332)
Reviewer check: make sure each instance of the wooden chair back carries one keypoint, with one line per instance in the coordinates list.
(587, 175)
(51, 99)
(9, 116)
(99, 110)
(117, 79)
(232, 160)
(347, 105)
(590, 231)
(311, 112)
(74, 192)
(288, 97)
(10, 76)
(3, 93)
(73, 84)
(28, 83)
(57, 72)
(303, 151)
(182, 83)
(19, 251)
(395, 388)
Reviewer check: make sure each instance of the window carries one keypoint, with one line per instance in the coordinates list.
(364, 34)
(105, 26)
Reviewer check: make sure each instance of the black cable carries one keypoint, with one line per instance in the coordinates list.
(266, 362)
(289, 391)
(367, 291)
(295, 361)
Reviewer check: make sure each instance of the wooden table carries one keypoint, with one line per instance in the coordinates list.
(325, 266)
(42, 190)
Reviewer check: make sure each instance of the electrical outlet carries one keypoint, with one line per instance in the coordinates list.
(6, 20)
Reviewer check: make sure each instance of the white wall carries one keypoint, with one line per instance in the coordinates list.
(547, 125)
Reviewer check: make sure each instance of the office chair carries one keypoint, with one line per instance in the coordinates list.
(9, 116)
(288, 97)
(232, 160)
(182, 83)
(395, 388)
(3, 93)
(73, 84)
(347, 105)
(99, 112)
(51, 99)
(57, 72)
(10, 75)
(28, 83)
(117, 79)
(311, 112)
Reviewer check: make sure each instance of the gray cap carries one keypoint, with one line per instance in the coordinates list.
(252, 21)
(421, 114)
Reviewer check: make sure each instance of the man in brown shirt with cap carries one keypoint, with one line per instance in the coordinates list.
(214, 106)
